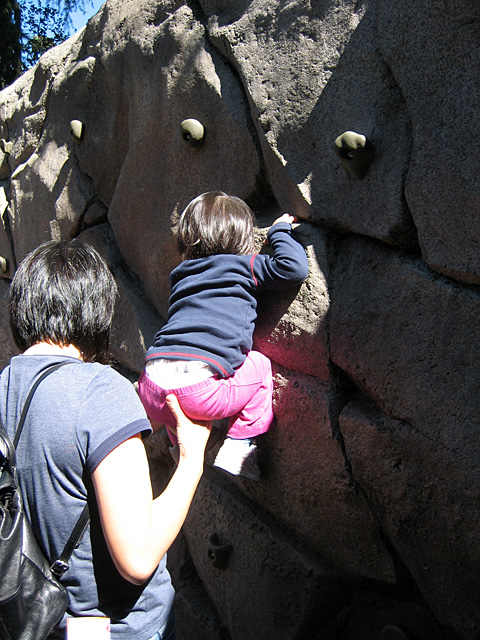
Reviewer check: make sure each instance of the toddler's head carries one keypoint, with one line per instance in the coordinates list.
(215, 223)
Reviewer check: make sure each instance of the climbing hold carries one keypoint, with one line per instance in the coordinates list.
(355, 151)
(6, 146)
(76, 130)
(392, 632)
(192, 131)
(218, 551)
(3, 264)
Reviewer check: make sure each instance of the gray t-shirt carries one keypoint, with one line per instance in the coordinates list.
(78, 415)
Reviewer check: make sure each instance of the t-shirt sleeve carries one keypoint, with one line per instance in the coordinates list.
(110, 413)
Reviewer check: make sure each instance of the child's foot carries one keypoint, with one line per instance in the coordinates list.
(238, 457)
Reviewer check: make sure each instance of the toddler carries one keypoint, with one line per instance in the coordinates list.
(203, 354)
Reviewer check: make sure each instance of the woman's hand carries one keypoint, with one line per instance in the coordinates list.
(139, 536)
(192, 436)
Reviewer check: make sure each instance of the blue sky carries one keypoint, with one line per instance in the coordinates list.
(79, 18)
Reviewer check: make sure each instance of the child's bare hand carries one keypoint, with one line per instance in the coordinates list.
(286, 217)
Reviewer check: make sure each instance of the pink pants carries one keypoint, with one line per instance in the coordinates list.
(245, 397)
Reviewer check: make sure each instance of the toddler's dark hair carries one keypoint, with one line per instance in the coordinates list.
(215, 223)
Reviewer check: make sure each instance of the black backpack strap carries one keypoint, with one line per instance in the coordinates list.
(59, 567)
(41, 377)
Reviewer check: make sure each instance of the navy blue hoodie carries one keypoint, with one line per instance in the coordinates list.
(213, 305)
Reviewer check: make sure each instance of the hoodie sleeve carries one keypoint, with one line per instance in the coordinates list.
(287, 267)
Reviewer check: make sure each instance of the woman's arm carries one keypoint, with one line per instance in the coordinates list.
(138, 529)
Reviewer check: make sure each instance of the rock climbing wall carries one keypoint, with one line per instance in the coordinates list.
(361, 118)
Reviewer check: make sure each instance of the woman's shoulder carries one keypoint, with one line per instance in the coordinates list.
(24, 370)
(96, 375)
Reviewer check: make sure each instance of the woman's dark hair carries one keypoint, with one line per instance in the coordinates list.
(63, 293)
(215, 223)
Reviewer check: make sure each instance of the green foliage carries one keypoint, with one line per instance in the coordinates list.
(29, 28)
(43, 27)
(10, 47)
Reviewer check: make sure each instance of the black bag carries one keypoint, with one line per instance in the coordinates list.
(32, 600)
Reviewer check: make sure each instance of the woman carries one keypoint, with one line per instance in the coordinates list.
(82, 441)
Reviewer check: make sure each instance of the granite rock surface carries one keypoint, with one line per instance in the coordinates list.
(367, 517)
